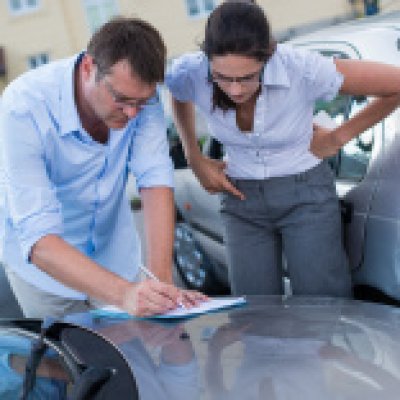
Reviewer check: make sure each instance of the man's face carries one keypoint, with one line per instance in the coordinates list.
(116, 96)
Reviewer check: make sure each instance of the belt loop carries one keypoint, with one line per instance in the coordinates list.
(301, 177)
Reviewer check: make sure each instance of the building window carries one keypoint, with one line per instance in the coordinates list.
(22, 6)
(37, 60)
(371, 7)
(99, 12)
(199, 8)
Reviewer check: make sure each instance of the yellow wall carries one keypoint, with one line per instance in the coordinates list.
(60, 27)
(76, 22)
(24, 35)
(180, 32)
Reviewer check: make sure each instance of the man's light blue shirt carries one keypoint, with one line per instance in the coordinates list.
(55, 179)
(278, 145)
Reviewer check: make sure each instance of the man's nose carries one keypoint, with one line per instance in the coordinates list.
(131, 111)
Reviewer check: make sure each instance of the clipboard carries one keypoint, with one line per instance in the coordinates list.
(213, 305)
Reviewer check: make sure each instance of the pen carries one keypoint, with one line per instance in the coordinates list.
(150, 275)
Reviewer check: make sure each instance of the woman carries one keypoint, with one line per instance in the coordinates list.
(278, 194)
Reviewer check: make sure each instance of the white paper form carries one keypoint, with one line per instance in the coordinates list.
(214, 304)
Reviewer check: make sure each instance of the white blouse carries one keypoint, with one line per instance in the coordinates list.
(279, 143)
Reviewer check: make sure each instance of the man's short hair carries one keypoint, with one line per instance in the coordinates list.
(133, 40)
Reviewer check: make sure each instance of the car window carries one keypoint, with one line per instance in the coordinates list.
(356, 154)
(175, 147)
(351, 162)
(214, 149)
(209, 146)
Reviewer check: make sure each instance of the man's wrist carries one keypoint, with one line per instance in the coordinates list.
(126, 297)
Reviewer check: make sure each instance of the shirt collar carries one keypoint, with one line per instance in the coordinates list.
(275, 72)
(69, 121)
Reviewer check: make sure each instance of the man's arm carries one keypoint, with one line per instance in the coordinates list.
(159, 221)
(66, 264)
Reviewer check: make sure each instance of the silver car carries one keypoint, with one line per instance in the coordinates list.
(367, 171)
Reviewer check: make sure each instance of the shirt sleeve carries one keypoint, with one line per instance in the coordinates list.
(180, 381)
(322, 79)
(182, 74)
(30, 199)
(149, 160)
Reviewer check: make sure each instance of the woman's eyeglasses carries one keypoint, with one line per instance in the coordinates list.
(245, 80)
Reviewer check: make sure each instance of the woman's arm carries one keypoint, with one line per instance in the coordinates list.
(210, 173)
(368, 78)
(184, 117)
(360, 78)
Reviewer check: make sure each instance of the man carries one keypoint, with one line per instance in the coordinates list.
(71, 131)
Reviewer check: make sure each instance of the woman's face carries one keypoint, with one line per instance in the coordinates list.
(238, 76)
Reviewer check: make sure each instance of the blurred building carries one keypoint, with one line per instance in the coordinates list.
(33, 32)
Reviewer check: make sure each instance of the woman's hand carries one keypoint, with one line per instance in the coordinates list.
(324, 142)
(211, 174)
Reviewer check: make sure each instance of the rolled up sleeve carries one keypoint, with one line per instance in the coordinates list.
(30, 198)
(323, 80)
(182, 74)
(150, 162)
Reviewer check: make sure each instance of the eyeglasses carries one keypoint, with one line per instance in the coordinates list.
(246, 80)
(124, 101)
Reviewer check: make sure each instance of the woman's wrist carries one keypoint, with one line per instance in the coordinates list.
(194, 156)
(340, 136)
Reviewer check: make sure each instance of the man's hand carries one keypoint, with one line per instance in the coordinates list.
(151, 297)
(325, 142)
(211, 174)
(191, 298)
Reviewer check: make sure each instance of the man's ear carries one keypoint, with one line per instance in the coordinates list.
(88, 66)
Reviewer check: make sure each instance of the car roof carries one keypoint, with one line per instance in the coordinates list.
(375, 38)
(388, 20)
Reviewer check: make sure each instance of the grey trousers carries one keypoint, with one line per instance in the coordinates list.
(36, 303)
(297, 215)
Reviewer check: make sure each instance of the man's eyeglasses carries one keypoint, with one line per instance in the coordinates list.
(246, 80)
(124, 101)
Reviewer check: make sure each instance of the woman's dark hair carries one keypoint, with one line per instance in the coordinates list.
(133, 40)
(237, 27)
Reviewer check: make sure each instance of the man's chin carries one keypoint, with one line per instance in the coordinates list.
(117, 124)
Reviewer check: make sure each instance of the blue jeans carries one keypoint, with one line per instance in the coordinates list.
(296, 215)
